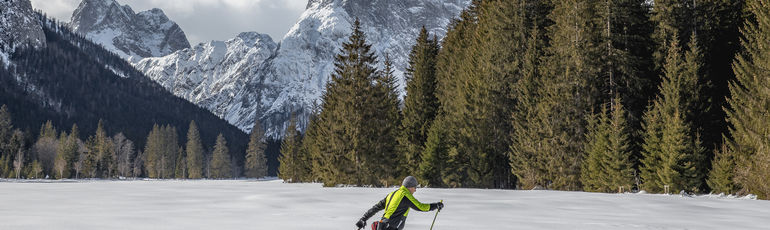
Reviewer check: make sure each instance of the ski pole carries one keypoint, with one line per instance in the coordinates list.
(434, 217)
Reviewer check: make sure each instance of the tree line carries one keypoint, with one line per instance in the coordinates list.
(593, 95)
(55, 154)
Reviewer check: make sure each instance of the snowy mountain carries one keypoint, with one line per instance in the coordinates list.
(292, 78)
(214, 74)
(18, 27)
(130, 35)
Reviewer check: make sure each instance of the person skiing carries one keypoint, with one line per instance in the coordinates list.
(397, 205)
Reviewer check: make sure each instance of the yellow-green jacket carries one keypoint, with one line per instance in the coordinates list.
(397, 205)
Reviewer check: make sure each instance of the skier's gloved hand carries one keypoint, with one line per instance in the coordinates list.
(360, 224)
(435, 206)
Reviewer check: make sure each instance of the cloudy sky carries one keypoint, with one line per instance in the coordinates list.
(205, 20)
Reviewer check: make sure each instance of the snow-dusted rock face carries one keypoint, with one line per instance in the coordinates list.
(293, 78)
(19, 26)
(214, 75)
(130, 35)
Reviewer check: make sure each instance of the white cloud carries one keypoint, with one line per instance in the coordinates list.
(204, 20)
(59, 9)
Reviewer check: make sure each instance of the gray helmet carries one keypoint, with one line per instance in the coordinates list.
(410, 182)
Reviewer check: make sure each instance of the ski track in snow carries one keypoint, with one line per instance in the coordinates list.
(251, 204)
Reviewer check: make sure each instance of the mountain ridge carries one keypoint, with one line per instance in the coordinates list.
(131, 35)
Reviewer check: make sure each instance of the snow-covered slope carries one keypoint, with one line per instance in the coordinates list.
(18, 27)
(271, 205)
(293, 78)
(130, 35)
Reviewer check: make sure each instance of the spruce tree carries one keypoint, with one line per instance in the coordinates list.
(90, 159)
(569, 91)
(98, 156)
(527, 118)
(169, 150)
(420, 103)
(672, 154)
(624, 47)
(608, 165)
(342, 155)
(194, 151)
(433, 166)
(180, 172)
(47, 130)
(722, 175)
(220, 163)
(6, 130)
(672, 19)
(97, 151)
(383, 117)
(256, 162)
(750, 101)
(72, 150)
(291, 165)
(452, 60)
(152, 152)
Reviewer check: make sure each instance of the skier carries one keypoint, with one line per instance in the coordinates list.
(396, 206)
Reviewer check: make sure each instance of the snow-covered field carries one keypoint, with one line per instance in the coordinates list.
(253, 205)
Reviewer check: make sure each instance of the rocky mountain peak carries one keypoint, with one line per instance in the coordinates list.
(131, 35)
(19, 26)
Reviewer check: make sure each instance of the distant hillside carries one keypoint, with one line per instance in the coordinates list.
(72, 80)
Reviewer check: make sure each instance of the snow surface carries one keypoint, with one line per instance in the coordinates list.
(272, 204)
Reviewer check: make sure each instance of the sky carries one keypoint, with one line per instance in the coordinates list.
(206, 20)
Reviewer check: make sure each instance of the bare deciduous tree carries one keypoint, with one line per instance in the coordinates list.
(18, 163)
(124, 151)
(45, 149)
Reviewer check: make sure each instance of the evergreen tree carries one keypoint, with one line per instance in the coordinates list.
(256, 162)
(90, 159)
(608, 165)
(98, 156)
(451, 59)
(722, 175)
(291, 165)
(672, 154)
(348, 153)
(47, 130)
(625, 55)
(750, 101)
(420, 103)
(152, 153)
(432, 168)
(570, 88)
(180, 172)
(671, 18)
(311, 149)
(6, 131)
(61, 166)
(382, 129)
(72, 151)
(528, 119)
(170, 148)
(194, 151)
(221, 164)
